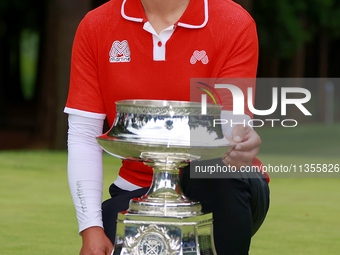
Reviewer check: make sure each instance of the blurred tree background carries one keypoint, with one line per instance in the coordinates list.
(298, 38)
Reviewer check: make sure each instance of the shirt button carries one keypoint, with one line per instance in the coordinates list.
(159, 44)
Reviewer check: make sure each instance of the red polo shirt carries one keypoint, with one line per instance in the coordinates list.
(116, 57)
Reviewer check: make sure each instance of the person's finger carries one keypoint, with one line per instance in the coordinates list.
(228, 138)
(245, 156)
(248, 145)
(239, 132)
(228, 161)
(238, 138)
(252, 140)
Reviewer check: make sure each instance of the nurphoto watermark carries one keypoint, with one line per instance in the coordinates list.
(294, 113)
(238, 105)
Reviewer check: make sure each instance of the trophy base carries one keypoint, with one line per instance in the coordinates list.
(144, 235)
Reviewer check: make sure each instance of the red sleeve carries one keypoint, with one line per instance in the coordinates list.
(243, 59)
(84, 92)
(241, 65)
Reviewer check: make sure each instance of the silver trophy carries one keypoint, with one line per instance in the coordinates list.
(165, 135)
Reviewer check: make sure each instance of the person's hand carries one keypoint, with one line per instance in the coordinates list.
(247, 147)
(95, 242)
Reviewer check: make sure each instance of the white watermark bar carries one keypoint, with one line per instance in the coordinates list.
(216, 169)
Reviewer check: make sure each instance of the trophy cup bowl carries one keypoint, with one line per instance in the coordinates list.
(166, 135)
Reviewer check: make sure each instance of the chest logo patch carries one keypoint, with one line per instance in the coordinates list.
(120, 52)
(199, 56)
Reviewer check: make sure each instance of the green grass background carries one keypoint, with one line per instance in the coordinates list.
(37, 215)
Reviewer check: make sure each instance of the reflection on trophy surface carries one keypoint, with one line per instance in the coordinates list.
(165, 135)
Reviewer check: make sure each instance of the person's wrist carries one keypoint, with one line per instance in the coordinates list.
(95, 230)
(95, 242)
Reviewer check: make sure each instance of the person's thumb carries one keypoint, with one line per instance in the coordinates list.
(238, 133)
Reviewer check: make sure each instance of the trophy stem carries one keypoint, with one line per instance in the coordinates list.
(165, 186)
(165, 196)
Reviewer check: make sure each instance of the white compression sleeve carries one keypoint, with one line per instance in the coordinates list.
(85, 169)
